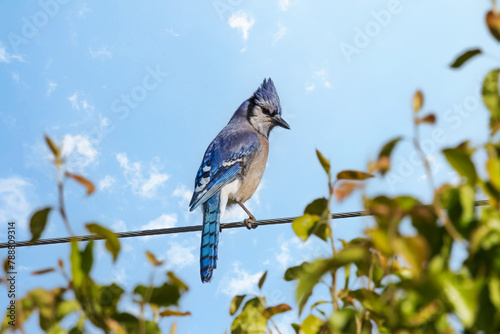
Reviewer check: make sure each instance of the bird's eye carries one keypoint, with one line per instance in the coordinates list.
(266, 111)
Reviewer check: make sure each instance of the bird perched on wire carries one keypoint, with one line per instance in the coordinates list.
(232, 167)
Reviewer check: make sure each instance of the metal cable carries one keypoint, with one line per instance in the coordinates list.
(174, 230)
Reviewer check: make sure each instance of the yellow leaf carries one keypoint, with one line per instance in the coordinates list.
(152, 258)
(418, 101)
(169, 313)
(115, 326)
(55, 150)
(353, 175)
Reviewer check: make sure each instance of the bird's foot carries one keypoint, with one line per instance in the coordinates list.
(250, 223)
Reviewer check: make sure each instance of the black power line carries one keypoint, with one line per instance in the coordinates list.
(174, 230)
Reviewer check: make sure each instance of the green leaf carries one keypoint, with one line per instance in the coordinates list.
(383, 163)
(462, 163)
(324, 162)
(343, 321)
(321, 302)
(273, 310)
(462, 293)
(87, 258)
(250, 320)
(293, 273)
(164, 295)
(491, 98)
(177, 282)
(305, 225)
(353, 175)
(169, 313)
(296, 328)
(415, 251)
(493, 168)
(66, 307)
(235, 304)
(262, 280)
(387, 149)
(38, 222)
(76, 264)
(463, 58)
(131, 324)
(317, 207)
(112, 243)
(311, 325)
(311, 273)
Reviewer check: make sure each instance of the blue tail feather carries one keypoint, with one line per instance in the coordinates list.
(209, 237)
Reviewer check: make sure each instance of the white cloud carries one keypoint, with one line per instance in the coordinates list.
(284, 4)
(172, 32)
(107, 182)
(6, 57)
(14, 204)
(241, 282)
(319, 78)
(15, 77)
(280, 33)
(102, 52)
(135, 175)
(83, 10)
(79, 103)
(184, 194)
(119, 226)
(79, 151)
(164, 221)
(293, 251)
(51, 86)
(239, 20)
(179, 256)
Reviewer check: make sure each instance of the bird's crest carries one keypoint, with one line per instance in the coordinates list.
(267, 96)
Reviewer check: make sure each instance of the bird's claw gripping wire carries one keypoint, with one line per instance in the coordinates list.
(250, 223)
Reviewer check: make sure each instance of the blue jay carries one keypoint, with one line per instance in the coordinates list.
(232, 167)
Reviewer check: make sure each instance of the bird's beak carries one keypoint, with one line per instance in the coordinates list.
(281, 122)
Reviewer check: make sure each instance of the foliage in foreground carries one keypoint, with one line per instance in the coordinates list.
(396, 282)
(95, 304)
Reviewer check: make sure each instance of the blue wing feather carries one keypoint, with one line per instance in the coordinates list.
(222, 163)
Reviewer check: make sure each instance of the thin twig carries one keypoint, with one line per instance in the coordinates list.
(435, 202)
(62, 210)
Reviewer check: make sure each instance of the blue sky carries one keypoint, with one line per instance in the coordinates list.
(135, 93)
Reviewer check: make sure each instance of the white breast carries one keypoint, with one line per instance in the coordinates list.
(228, 191)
